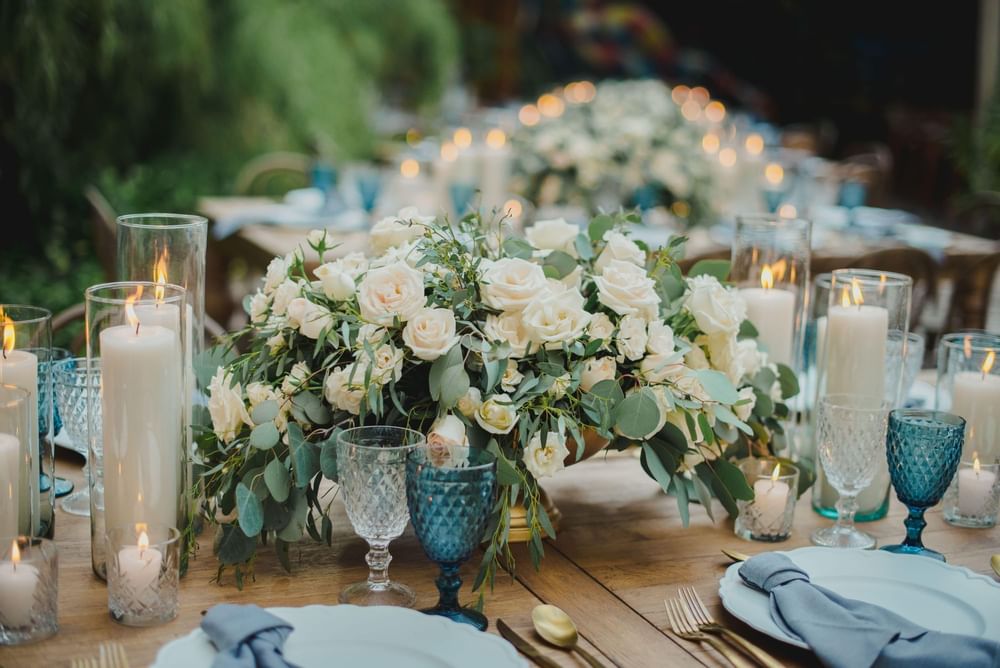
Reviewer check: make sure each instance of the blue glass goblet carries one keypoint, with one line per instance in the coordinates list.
(924, 448)
(451, 491)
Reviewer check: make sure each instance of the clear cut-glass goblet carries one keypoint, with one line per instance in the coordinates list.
(850, 442)
(75, 381)
(371, 469)
(451, 491)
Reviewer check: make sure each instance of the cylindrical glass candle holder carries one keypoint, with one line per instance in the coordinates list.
(143, 574)
(973, 497)
(15, 459)
(27, 346)
(968, 384)
(29, 589)
(769, 516)
(135, 330)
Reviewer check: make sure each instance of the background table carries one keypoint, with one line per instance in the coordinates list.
(621, 551)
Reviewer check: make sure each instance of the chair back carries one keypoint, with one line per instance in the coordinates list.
(970, 299)
(273, 174)
(912, 262)
(103, 228)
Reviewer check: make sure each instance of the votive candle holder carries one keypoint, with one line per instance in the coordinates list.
(973, 497)
(29, 589)
(768, 517)
(143, 568)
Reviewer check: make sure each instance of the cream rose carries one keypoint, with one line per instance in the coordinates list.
(543, 461)
(275, 343)
(661, 338)
(619, 247)
(555, 234)
(695, 357)
(596, 370)
(447, 430)
(497, 415)
(258, 393)
(386, 363)
(743, 411)
(632, 338)
(258, 307)
(658, 368)
(337, 283)
(430, 333)
(508, 327)
(344, 388)
(750, 356)
(295, 378)
(555, 319)
(397, 230)
(715, 308)
(283, 294)
(627, 290)
(601, 327)
(277, 272)
(510, 284)
(226, 407)
(560, 386)
(386, 293)
(368, 333)
(511, 377)
(470, 403)
(723, 350)
(309, 318)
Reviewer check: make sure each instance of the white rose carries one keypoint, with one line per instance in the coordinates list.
(601, 327)
(497, 415)
(353, 264)
(725, 356)
(372, 334)
(508, 327)
(309, 318)
(430, 333)
(545, 460)
(775, 392)
(390, 292)
(511, 377)
(715, 308)
(596, 370)
(277, 272)
(337, 283)
(560, 386)
(743, 411)
(316, 238)
(658, 368)
(554, 319)
(695, 358)
(632, 338)
(258, 307)
(275, 343)
(509, 284)
(283, 295)
(470, 403)
(687, 383)
(343, 391)
(627, 290)
(386, 363)
(397, 230)
(258, 393)
(447, 430)
(554, 234)
(619, 247)
(225, 405)
(751, 358)
(661, 338)
(296, 377)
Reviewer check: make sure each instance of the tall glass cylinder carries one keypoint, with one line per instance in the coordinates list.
(25, 355)
(867, 314)
(136, 332)
(15, 460)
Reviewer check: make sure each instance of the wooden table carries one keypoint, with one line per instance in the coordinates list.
(621, 551)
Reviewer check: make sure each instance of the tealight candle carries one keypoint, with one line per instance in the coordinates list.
(770, 498)
(140, 564)
(17, 590)
(768, 517)
(772, 312)
(975, 488)
(143, 573)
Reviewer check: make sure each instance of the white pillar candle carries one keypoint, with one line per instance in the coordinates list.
(11, 460)
(855, 345)
(17, 590)
(976, 397)
(139, 565)
(142, 404)
(975, 487)
(20, 368)
(772, 312)
(496, 159)
(770, 500)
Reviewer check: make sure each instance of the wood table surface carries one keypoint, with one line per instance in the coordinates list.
(620, 552)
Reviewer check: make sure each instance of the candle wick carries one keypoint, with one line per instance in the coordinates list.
(137, 328)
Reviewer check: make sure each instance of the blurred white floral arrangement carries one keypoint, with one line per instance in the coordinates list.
(630, 146)
(526, 346)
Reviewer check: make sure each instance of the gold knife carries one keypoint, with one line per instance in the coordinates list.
(523, 646)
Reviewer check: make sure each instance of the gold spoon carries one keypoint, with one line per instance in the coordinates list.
(734, 555)
(995, 562)
(557, 628)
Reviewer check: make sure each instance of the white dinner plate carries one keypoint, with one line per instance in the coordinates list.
(376, 637)
(930, 593)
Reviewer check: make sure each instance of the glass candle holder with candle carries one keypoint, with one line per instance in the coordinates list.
(135, 332)
(27, 346)
(769, 516)
(143, 573)
(29, 589)
(15, 459)
(968, 385)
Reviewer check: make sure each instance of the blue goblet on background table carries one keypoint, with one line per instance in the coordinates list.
(924, 448)
(451, 491)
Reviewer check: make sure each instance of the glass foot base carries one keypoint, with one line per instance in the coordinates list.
(460, 615)
(919, 551)
(63, 486)
(363, 593)
(835, 537)
(77, 504)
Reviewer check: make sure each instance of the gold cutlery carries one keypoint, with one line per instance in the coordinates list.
(557, 628)
(112, 655)
(703, 618)
(995, 562)
(734, 555)
(523, 646)
(684, 627)
(89, 662)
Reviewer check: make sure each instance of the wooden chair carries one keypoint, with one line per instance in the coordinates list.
(103, 228)
(912, 262)
(970, 300)
(979, 214)
(273, 174)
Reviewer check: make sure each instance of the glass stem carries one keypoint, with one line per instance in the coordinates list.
(847, 507)
(448, 584)
(378, 559)
(915, 524)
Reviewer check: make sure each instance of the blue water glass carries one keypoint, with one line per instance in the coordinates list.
(924, 448)
(49, 365)
(323, 176)
(853, 194)
(451, 491)
(369, 184)
(461, 196)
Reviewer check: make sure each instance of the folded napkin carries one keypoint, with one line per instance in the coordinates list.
(845, 633)
(246, 637)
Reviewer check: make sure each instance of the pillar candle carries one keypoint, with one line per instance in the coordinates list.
(18, 582)
(20, 368)
(770, 500)
(495, 176)
(772, 312)
(142, 404)
(976, 397)
(975, 487)
(855, 350)
(11, 463)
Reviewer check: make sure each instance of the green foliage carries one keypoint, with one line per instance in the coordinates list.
(976, 149)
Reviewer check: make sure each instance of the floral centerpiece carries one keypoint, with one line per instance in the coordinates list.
(472, 334)
(629, 145)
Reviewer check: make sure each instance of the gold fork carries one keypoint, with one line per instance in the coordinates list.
(684, 627)
(703, 618)
(112, 655)
(89, 662)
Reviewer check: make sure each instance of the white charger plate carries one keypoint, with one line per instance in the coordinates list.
(376, 637)
(930, 593)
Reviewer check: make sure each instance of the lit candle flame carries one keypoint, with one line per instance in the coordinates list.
(774, 173)
(967, 347)
(143, 542)
(775, 473)
(856, 293)
(15, 553)
(133, 319)
(975, 463)
(766, 278)
(496, 138)
(529, 115)
(513, 208)
(715, 111)
(845, 297)
(754, 144)
(710, 142)
(409, 168)
(550, 105)
(462, 137)
(160, 276)
(8, 332)
(991, 357)
(449, 152)
(727, 157)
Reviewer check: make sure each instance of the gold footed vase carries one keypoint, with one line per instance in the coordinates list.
(520, 532)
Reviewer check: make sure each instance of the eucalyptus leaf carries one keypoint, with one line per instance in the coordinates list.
(747, 330)
(583, 247)
(328, 459)
(725, 415)
(265, 411)
(518, 247)
(251, 512)
(789, 383)
(299, 506)
(207, 362)
(704, 495)
(637, 415)
(278, 480)
(454, 385)
(717, 385)
(600, 225)
(558, 264)
(681, 494)
(264, 436)
(655, 466)
(609, 391)
(717, 268)
(305, 459)
(233, 546)
(276, 515)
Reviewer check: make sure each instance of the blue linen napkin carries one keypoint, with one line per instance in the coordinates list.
(845, 633)
(246, 636)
